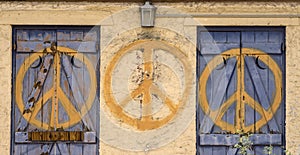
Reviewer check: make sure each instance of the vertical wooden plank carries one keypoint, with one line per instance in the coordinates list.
(63, 35)
(259, 150)
(90, 35)
(205, 37)
(17, 115)
(94, 113)
(270, 87)
(34, 149)
(94, 57)
(89, 149)
(230, 115)
(219, 150)
(248, 37)
(203, 60)
(220, 37)
(24, 149)
(32, 77)
(64, 148)
(47, 107)
(250, 114)
(86, 80)
(91, 116)
(26, 91)
(207, 123)
(49, 36)
(25, 35)
(261, 36)
(279, 116)
(55, 150)
(16, 149)
(77, 80)
(77, 84)
(36, 35)
(76, 149)
(232, 151)
(18, 35)
(278, 150)
(208, 44)
(65, 85)
(20, 149)
(275, 37)
(76, 35)
(201, 150)
(231, 70)
(233, 37)
(206, 150)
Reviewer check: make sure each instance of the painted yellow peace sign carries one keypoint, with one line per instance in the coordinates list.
(55, 93)
(241, 97)
(147, 87)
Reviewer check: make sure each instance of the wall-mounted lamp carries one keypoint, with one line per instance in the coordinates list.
(147, 14)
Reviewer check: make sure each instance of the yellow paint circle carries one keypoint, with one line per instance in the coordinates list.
(76, 115)
(216, 115)
(146, 122)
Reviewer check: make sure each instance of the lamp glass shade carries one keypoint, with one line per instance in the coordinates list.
(147, 15)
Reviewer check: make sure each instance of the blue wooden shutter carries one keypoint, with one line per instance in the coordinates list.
(241, 86)
(57, 68)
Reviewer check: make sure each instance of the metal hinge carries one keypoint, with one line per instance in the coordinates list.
(97, 47)
(15, 47)
(198, 49)
(283, 47)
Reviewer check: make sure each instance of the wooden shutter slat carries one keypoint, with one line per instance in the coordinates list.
(232, 139)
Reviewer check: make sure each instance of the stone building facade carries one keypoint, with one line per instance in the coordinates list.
(176, 25)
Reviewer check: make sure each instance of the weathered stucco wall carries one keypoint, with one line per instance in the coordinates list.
(5, 84)
(292, 88)
(118, 18)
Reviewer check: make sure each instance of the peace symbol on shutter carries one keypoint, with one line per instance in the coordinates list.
(33, 105)
(241, 97)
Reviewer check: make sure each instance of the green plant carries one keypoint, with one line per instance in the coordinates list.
(287, 152)
(268, 149)
(244, 143)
